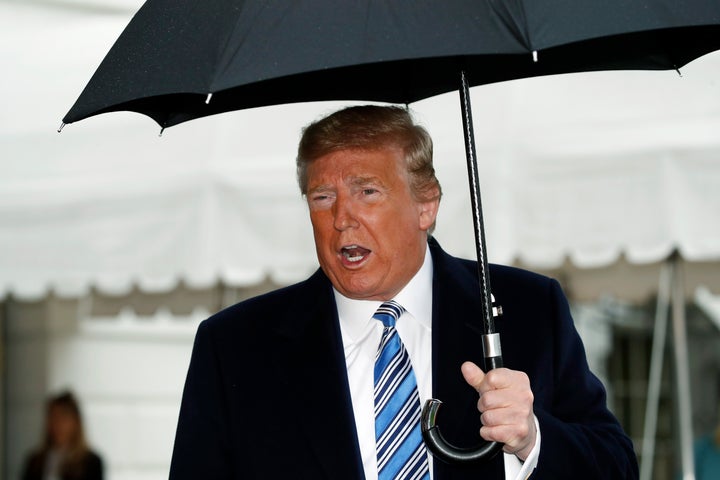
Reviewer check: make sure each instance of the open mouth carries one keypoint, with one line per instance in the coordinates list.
(354, 254)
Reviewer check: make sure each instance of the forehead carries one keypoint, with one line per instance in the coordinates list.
(353, 165)
(61, 410)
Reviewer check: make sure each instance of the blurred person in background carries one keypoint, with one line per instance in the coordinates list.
(64, 453)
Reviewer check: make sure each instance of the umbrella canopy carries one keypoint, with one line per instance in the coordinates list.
(180, 59)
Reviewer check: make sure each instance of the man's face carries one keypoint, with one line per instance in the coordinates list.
(370, 233)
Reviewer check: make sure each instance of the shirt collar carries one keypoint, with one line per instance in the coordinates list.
(416, 297)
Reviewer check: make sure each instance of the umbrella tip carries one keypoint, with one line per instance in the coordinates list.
(535, 56)
(161, 132)
(207, 100)
(678, 72)
(62, 125)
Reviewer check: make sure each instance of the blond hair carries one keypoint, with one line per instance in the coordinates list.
(372, 127)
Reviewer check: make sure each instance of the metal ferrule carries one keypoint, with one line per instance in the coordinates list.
(491, 345)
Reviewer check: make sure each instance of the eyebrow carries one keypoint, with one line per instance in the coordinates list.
(359, 181)
(362, 181)
(320, 188)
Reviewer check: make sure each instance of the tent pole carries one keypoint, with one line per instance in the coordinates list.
(5, 312)
(656, 366)
(682, 372)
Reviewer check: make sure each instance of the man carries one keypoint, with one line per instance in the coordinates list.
(284, 385)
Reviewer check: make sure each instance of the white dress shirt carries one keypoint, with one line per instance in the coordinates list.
(361, 337)
(53, 461)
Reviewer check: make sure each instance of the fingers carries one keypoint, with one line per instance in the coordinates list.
(493, 380)
(505, 406)
(473, 375)
(503, 388)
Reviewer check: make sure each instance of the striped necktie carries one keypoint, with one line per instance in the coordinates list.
(400, 450)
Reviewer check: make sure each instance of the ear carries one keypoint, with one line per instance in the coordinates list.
(428, 211)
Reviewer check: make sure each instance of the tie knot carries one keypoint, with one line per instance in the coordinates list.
(388, 313)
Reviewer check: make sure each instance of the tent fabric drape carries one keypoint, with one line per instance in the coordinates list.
(585, 171)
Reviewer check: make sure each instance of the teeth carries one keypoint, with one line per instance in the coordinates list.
(346, 251)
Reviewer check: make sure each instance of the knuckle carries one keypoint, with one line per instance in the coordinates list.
(485, 402)
(486, 418)
(522, 431)
(491, 378)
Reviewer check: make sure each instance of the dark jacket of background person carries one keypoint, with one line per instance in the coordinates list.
(90, 468)
(64, 433)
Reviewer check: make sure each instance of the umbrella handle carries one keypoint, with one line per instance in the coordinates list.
(447, 452)
(435, 442)
(441, 448)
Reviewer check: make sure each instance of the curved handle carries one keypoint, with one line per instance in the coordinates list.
(436, 444)
(440, 448)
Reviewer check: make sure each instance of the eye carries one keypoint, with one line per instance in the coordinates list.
(369, 191)
(319, 201)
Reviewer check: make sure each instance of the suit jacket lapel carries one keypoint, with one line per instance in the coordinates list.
(316, 375)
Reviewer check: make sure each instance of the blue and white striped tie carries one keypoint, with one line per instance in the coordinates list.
(401, 453)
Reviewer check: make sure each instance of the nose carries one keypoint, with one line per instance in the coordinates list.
(343, 214)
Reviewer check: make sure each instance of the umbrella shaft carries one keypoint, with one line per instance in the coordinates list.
(476, 204)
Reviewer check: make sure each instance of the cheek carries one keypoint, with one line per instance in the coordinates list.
(322, 234)
(404, 225)
(319, 223)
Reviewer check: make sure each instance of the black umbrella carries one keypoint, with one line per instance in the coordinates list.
(182, 59)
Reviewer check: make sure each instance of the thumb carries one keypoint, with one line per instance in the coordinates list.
(473, 374)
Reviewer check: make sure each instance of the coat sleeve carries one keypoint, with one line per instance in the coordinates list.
(202, 445)
(580, 437)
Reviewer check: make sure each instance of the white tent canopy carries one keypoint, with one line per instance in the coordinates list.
(587, 170)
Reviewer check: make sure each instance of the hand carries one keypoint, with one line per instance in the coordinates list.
(505, 406)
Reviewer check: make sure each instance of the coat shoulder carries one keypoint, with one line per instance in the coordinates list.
(500, 275)
(276, 304)
(518, 276)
